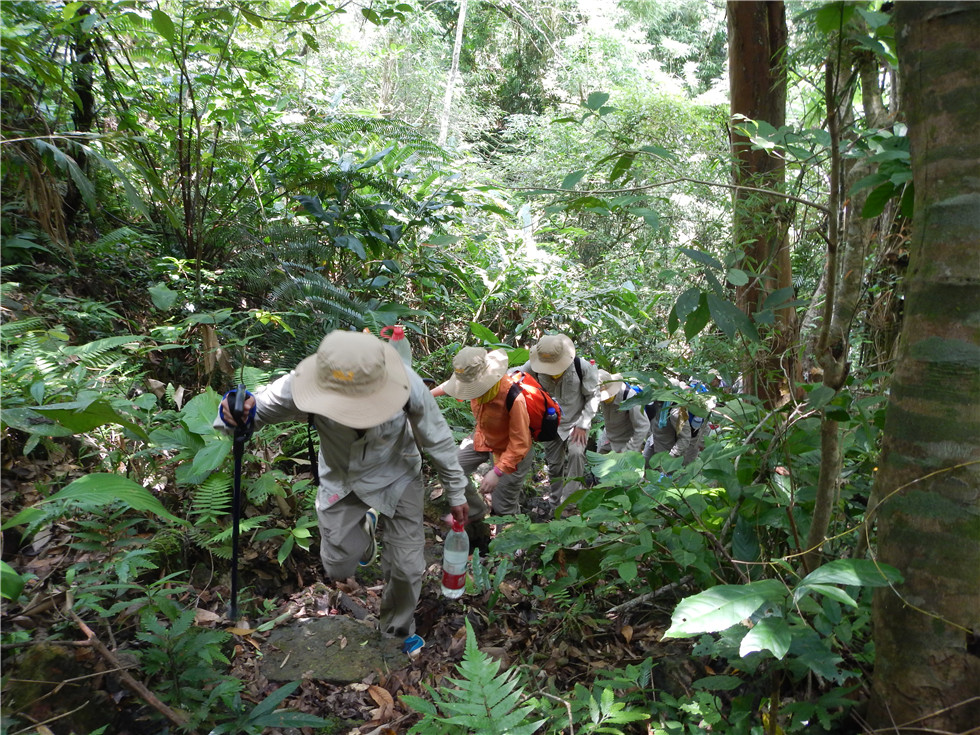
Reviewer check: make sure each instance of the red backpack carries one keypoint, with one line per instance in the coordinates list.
(544, 413)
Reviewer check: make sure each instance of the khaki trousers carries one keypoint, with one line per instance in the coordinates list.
(506, 499)
(344, 541)
(566, 466)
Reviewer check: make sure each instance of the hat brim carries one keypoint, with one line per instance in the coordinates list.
(610, 388)
(496, 369)
(552, 368)
(355, 411)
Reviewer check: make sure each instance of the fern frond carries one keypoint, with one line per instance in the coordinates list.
(212, 499)
(486, 701)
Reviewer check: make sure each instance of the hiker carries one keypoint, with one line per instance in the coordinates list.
(502, 434)
(574, 384)
(701, 426)
(670, 428)
(372, 414)
(623, 431)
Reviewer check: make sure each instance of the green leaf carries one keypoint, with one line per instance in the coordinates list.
(721, 607)
(627, 571)
(697, 319)
(11, 583)
(730, 319)
(162, 297)
(828, 590)
(352, 243)
(622, 166)
(833, 16)
(82, 418)
(211, 456)
(703, 258)
(877, 199)
(596, 100)
(769, 634)
(165, 27)
(737, 277)
(95, 491)
(658, 151)
(718, 683)
(650, 216)
(481, 332)
(571, 180)
(687, 302)
(855, 572)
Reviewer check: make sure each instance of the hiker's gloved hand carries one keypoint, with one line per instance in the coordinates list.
(579, 436)
(225, 410)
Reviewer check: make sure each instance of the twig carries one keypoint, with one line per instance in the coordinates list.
(176, 717)
(568, 708)
(37, 725)
(637, 601)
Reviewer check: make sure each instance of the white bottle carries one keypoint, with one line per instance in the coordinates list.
(455, 553)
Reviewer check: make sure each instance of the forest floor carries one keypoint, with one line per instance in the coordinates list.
(555, 646)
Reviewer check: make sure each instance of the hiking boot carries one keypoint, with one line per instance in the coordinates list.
(370, 526)
(412, 645)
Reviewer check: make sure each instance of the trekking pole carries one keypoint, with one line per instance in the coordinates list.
(243, 430)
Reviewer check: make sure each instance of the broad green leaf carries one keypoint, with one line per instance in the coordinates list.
(622, 166)
(834, 593)
(200, 412)
(737, 277)
(721, 607)
(163, 24)
(719, 683)
(702, 257)
(687, 302)
(730, 319)
(697, 319)
(352, 243)
(833, 16)
(658, 151)
(82, 419)
(596, 100)
(650, 216)
(483, 333)
(627, 571)
(572, 179)
(211, 456)
(11, 583)
(98, 490)
(769, 634)
(877, 199)
(854, 572)
(162, 297)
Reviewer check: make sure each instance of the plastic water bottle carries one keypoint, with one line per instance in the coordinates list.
(455, 553)
(396, 338)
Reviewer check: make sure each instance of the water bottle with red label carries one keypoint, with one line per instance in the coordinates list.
(455, 553)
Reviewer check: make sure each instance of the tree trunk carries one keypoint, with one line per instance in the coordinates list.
(927, 667)
(757, 49)
(447, 104)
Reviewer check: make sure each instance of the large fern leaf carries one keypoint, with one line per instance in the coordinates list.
(486, 701)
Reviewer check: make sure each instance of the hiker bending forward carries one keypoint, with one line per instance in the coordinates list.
(501, 433)
(369, 410)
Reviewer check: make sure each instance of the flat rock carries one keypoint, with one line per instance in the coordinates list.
(336, 649)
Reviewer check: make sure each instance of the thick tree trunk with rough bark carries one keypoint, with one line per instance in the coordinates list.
(927, 667)
(757, 48)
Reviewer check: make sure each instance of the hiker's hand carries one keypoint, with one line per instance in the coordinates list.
(225, 410)
(460, 513)
(489, 482)
(579, 436)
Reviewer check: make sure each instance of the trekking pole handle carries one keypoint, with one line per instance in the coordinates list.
(238, 411)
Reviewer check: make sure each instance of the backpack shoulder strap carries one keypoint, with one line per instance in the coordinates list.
(514, 390)
(578, 367)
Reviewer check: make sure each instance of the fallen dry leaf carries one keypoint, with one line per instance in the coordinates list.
(381, 696)
(627, 633)
(203, 617)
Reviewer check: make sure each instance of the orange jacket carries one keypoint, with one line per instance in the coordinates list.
(505, 433)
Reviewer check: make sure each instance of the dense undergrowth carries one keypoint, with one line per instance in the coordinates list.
(115, 501)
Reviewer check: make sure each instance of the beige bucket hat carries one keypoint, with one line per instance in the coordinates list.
(354, 378)
(475, 371)
(552, 354)
(610, 385)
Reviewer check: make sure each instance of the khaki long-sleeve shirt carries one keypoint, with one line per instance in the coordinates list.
(625, 430)
(578, 399)
(376, 464)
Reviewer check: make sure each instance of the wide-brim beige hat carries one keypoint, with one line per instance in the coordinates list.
(475, 371)
(552, 354)
(610, 385)
(354, 378)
